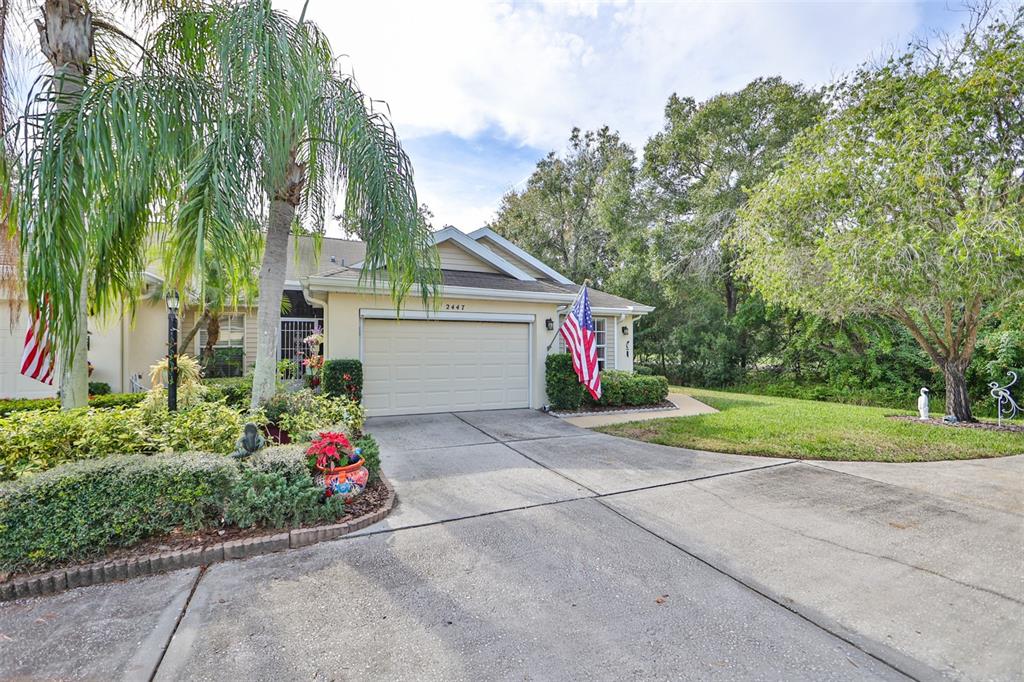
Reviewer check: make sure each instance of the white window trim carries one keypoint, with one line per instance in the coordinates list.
(609, 327)
(202, 332)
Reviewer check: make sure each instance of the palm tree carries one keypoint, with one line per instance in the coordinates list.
(291, 133)
(77, 54)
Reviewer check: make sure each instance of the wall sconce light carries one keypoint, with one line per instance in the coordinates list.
(549, 324)
(625, 330)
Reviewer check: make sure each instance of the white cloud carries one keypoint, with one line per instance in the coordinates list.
(536, 70)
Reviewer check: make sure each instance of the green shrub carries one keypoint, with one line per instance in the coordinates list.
(642, 370)
(343, 378)
(619, 388)
(99, 388)
(565, 392)
(235, 391)
(303, 413)
(79, 510)
(272, 500)
(35, 440)
(370, 451)
(10, 405)
(225, 362)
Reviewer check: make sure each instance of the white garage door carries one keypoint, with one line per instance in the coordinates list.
(418, 366)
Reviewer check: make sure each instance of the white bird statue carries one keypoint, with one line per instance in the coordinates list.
(922, 403)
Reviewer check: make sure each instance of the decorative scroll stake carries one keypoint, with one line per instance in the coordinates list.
(1004, 400)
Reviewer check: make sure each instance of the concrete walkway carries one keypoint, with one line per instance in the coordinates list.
(524, 547)
(686, 406)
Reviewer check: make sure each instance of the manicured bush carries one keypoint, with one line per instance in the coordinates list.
(79, 510)
(343, 378)
(565, 392)
(642, 370)
(235, 391)
(303, 413)
(35, 440)
(620, 388)
(273, 500)
(10, 405)
(99, 388)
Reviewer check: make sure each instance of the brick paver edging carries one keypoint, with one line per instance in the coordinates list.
(122, 569)
(627, 409)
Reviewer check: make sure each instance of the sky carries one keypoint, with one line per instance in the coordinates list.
(481, 91)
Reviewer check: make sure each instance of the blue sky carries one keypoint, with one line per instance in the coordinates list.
(479, 92)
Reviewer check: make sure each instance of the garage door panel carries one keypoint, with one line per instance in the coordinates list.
(418, 366)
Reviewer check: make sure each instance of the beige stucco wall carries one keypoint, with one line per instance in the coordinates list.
(343, 328)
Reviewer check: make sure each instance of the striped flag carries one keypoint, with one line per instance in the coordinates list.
(37, 359)
(581, 340)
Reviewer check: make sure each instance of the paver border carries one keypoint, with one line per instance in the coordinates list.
(628, 409)
(102, 572)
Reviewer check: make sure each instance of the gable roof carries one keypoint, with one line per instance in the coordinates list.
(489, 234)
(462, 240)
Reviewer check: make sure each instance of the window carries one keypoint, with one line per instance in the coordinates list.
(601, 332)
(228, 359)
(232, 333)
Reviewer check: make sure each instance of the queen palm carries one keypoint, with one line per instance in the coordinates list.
(293, 132)
(79, 45)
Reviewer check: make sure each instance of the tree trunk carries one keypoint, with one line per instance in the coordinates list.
(66, 40)
(212, 337)
(187, 339)
(272, 271)
(958, 401)
(730, 296)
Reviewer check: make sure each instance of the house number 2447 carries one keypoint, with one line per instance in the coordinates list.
(454, 306)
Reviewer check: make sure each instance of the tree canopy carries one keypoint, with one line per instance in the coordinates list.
(575, 205)
(906, 199)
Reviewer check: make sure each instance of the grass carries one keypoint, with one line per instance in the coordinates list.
(805, 429)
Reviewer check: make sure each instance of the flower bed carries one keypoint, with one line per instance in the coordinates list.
(82, 510)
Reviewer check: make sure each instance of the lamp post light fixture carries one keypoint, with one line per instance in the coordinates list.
(172, 350)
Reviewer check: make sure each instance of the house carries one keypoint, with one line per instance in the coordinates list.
(482, 347)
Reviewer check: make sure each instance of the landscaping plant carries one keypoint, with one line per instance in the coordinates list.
(565, 392)
(343, 377)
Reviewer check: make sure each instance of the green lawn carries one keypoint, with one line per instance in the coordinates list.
(805, 429)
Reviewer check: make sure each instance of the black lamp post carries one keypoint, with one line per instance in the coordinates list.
(172, 350)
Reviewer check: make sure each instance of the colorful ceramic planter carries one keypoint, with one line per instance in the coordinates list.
(347, 481)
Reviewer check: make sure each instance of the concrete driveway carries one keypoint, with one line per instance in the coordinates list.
(524, 547)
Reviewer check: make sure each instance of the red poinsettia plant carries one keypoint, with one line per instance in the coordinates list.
(331, 449)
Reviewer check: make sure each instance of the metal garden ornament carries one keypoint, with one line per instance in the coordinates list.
(1005, 403)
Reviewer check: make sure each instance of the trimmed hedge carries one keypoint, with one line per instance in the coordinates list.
(565, 392)
(335, 382)
(9, 405)
(235, 391)
(620, 388)
(99, 388)
(80, 510)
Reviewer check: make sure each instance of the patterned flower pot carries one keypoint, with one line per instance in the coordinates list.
(347, 481)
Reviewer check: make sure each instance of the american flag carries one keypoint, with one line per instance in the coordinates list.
(37, 359)
(581, 340)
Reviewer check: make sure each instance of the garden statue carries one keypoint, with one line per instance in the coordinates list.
(922, 403)
(1004, 401)
(251, 441)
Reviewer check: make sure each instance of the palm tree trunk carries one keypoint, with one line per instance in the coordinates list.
(212, 337)
(268, 314)
(272, 272)
(187, 339)
(66, 40)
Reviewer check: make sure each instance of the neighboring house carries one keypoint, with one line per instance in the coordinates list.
(482, 348)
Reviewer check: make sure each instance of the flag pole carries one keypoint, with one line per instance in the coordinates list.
(586, 283)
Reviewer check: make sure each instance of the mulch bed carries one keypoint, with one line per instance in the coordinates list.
(372, 499)
(984, 426)
(600, 409)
